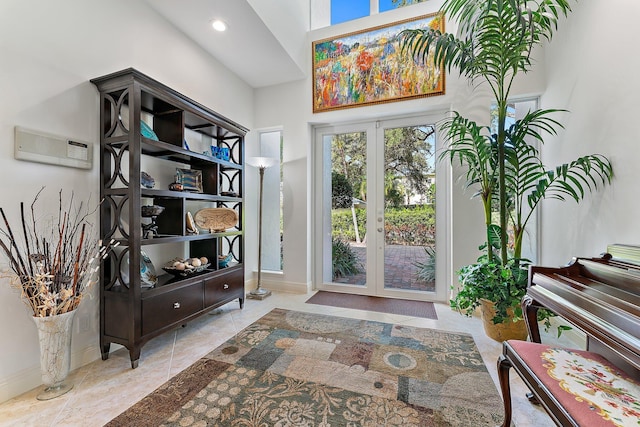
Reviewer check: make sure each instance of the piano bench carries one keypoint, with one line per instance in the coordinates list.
(576, 388)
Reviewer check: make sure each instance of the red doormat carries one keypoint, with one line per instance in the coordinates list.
(424, 309)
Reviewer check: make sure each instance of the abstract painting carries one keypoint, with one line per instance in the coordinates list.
(369, 67)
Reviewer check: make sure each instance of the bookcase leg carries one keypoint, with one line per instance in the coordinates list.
(105, 350)
(134, 355)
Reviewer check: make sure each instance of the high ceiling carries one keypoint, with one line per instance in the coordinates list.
(261, 50)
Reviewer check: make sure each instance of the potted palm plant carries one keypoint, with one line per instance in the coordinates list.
(493, 45)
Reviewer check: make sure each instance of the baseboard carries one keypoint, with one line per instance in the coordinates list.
(30, 378)
(280, 286)
(20, 383)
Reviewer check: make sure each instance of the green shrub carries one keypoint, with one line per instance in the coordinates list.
(342, 223)
(427, 269)
(410, 225)
(345, 261)
(407, 225)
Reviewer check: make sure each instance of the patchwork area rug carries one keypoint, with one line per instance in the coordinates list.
(423, 309)
(299, 369)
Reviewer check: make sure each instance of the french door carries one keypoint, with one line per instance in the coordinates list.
(377, 228)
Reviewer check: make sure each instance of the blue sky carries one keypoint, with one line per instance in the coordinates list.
(346, 10)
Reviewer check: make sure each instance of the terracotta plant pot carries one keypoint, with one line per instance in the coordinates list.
(507, 330)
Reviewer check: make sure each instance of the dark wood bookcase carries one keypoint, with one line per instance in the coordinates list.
(131, 311)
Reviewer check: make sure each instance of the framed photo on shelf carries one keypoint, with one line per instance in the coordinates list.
(191, 179)
(368, 67)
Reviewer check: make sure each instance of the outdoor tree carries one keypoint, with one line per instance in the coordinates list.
(341, 191)
(348, 158)
(409, 155)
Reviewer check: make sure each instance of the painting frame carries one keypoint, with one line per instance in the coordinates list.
(365, 67)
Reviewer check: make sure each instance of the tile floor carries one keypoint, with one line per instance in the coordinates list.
(103, 389)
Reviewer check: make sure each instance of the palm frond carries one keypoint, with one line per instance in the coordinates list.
(573, 179)
(470, 144)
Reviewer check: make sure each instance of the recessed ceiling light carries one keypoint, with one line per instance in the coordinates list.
(219, 25)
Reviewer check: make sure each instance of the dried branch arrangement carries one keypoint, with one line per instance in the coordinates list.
(55, 261)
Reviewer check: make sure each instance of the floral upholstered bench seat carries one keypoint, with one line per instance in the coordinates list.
(577, 388)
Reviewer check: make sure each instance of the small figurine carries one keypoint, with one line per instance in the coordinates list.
(150, 211)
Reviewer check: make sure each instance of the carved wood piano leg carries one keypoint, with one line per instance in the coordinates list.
(530, 312)
(503, 375)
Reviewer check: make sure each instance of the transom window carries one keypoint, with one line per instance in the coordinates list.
(348, 10)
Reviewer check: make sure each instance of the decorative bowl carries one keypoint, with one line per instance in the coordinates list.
(151, 210)
(216, 219)
(189, 270)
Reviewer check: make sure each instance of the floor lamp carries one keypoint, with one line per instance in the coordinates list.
(261, 163)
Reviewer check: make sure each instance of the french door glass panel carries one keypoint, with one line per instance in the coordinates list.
(409, 208)
(343, 207)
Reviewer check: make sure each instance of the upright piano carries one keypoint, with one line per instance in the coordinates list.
(600, 296)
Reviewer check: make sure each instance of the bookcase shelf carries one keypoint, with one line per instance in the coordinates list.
(131, 311)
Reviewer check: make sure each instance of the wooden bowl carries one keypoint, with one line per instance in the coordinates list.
(216, 220)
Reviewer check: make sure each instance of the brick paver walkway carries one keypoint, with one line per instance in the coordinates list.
(399, 269)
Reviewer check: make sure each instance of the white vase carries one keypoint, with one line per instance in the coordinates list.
(54, 333)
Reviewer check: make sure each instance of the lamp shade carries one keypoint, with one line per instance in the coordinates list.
(262, 162)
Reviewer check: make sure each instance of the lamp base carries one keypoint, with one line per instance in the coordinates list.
(259, 293)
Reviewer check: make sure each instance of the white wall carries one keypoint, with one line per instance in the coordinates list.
(48, 52)
(592, 72)
(282, 105)
(295, 14)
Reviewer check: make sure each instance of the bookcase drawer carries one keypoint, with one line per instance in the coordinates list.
(170, 307)
(224, 288)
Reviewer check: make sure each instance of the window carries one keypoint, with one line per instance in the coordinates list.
(348, 10)
(516, 110)
(271, 146)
